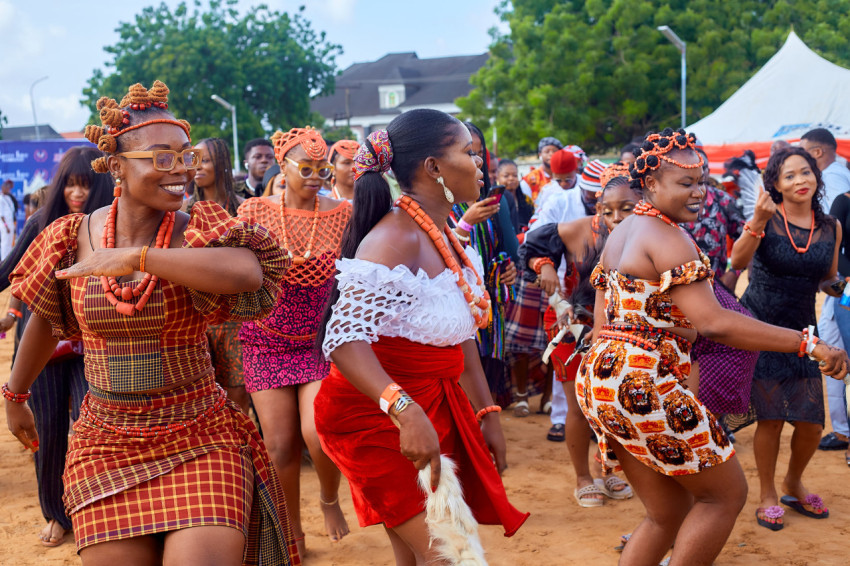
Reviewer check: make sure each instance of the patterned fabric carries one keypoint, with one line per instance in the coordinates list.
(226, 353)
(720, 218)
(782, 290)
(647, 303)
(378, 159)
(150, 485)
(524, 330)
(536, 179)
(634, 393)
(725, 373)
(562, 352)
(279, 351)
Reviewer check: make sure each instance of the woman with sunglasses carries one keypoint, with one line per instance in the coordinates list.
(161, 467)
(283, 370)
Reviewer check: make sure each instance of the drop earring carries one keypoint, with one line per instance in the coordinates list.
(116, 191)
(446, 191)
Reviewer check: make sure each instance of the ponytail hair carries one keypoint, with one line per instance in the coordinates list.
(408, 141)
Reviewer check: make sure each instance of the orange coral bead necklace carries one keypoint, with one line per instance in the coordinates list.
(479, 306)
(120, 297)
(798, 249)
(298, 260)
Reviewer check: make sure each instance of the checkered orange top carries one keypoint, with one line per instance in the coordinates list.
(165, 343)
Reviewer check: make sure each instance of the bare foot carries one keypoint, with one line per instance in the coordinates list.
(52, 534)
(335, 524)
(302, 548)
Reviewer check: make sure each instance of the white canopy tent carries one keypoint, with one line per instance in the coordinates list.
(796, 90)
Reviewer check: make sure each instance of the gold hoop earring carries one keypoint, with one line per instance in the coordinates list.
(446, 191)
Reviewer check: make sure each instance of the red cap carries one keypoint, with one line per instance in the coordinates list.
(563, 162)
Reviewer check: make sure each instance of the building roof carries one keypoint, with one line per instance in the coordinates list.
(427, 82)
(27, 133)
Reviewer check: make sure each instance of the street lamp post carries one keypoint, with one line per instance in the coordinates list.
(681, 46)
(232, 108)
(32, 103)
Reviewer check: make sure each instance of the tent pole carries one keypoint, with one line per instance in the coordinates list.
(684, 83)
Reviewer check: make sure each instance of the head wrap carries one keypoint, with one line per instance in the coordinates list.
(346, 148)
(308, 138)
(374, 155)
(563, 162)
(590, 177)
(617, 169)
(115, 118)
(579, 153)
(549, 141)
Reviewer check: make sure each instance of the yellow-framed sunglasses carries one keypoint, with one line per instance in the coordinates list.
(166, 159)
(324, 171)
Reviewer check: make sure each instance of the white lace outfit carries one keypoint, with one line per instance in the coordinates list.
(375, 300)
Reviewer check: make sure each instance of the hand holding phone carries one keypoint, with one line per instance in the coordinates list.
(496, 191)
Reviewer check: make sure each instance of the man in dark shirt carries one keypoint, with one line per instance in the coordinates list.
(259, 156)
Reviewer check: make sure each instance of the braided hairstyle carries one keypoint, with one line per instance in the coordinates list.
(774, 168)
(655, 150)
(218, 153)
(139, 107)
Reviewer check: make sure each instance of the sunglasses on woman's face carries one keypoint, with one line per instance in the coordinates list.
(306, 170)
(166, 159)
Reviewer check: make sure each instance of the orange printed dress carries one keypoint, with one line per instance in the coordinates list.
(140, 463)
(630, 384)
(278, 351)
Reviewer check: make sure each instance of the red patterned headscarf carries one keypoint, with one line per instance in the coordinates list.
(308, 138)
(374, 155)
(345, 148)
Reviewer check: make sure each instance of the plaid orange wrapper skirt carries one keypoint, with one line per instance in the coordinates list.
(214, 472)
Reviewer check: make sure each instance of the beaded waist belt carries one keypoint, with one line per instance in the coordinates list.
(643, 336)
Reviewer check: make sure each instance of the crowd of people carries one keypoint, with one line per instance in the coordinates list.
(372, 307)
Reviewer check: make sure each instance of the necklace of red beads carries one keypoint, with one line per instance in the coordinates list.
(121, 298)
(298, 260)
(479, 306)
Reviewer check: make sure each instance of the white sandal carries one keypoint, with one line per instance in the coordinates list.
(609, 484)
(581, 494)
(521, 407)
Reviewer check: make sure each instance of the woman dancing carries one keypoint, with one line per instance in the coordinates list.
(651, 301)
(793, 246)
(283, 370)
(401, 334)
(579, 241)
(75, 188)
(214, 182)
(161, 467)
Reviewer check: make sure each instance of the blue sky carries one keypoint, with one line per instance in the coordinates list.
(64, 41)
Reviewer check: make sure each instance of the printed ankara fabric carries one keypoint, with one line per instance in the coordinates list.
(278, 351)
(119, 486)
(631, 382)
(364, 443)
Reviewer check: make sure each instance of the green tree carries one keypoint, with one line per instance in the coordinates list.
(265, 62)
(3, 120)
(598, 73)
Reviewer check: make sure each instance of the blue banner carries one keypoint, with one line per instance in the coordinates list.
(31, 165)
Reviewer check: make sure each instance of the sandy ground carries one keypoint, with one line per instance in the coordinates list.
(539, 479)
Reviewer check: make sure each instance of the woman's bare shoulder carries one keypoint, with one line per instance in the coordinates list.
(393, 241)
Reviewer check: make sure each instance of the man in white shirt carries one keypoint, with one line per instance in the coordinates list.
(820, 144)
(8, 207)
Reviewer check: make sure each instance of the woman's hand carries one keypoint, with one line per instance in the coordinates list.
(508, 275)
(567, 317)
(832, 361)
(481, 210)
(491, 428)
(548, 280)
(111, 262)
(7, 322)
(419, 441)
(764, 211)
(21, 423)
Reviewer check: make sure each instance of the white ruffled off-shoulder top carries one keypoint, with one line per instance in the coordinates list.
(375, 300)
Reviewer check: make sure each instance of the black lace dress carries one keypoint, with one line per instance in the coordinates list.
(782, 289)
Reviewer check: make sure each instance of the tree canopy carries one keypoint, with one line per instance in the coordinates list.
(265, 62)
(598, 73)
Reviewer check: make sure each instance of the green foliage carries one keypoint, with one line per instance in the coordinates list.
(267, 63)
(3, 120)
(333, 135)
(597, 72)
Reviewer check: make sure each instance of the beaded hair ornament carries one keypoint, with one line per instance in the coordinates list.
(308, 138)
(653, 151)
(345, 148)
(613, 171)
(374, 155)
(116, 118)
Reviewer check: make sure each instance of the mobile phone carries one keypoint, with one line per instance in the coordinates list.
(839, 285)
(496, 191)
